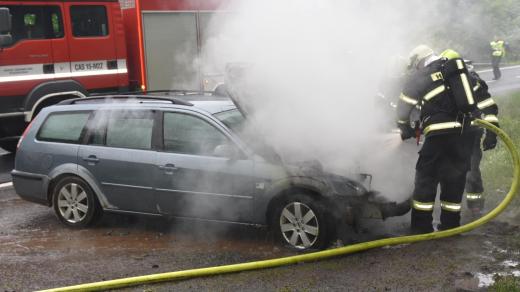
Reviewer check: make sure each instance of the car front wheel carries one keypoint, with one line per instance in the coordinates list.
(74, 202)
(302, 222)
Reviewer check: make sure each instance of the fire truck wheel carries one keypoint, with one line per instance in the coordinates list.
(9, 146)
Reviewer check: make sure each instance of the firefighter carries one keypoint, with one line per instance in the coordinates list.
(498, 50)
(487, 109)
(445, 155)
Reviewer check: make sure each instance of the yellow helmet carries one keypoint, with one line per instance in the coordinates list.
(450, 54)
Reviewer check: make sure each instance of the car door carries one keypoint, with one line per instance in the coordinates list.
(194, 180)
(119, 155)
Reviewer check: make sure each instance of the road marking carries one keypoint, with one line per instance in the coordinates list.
(6, 185)
(503, 68)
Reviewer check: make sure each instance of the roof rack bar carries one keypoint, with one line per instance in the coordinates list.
(182, 91)
(127, 97)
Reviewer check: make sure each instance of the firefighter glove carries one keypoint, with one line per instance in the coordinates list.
(490, 141)
(407, 132)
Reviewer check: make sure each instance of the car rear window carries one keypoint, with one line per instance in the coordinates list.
(130, 131)
(63, 127)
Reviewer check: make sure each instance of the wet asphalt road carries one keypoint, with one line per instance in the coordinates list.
(37, 252)
(6, 165)
(509, 82)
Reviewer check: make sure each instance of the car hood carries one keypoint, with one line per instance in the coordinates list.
(238, 86)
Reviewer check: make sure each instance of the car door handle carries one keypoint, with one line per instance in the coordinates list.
(168, 168)
(91, 159)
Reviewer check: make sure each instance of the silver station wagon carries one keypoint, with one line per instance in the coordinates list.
(166, 156)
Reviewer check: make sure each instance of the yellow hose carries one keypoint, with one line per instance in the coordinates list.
(119, 283)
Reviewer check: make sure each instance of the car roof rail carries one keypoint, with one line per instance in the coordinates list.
(169, 91)
(126, 98)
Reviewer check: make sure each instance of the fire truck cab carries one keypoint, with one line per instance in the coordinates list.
(55, 50)
(61, 49)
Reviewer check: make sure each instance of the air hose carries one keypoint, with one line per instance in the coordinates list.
(201, 272)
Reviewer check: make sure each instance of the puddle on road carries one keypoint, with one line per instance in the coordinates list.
(485, 280)
(142, 235)
(510, 263)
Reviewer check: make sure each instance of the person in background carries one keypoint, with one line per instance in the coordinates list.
(498, 50)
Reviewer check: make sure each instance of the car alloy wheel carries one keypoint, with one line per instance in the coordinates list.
(73, 203)
(299, 225)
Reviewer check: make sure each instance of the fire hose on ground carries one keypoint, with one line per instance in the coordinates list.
(264, 264)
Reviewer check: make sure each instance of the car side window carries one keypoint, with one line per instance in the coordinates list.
(130, 130)
(89, 20)
(33, 22)
(188, 134)
(63, 127)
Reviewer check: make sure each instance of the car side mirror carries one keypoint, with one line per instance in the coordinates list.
(5, 20)
(5, 27)
(5, 40)
(226, 150)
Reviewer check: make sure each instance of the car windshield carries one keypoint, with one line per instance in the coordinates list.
(235, 121)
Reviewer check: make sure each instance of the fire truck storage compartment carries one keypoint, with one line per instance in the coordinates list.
(174, 50)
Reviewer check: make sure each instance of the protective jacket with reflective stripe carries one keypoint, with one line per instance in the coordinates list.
(487, 108)
(426, 88)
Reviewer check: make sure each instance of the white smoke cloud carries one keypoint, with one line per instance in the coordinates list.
(317, 66)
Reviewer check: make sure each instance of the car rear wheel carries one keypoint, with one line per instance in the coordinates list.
(75, 203)
(301, 222)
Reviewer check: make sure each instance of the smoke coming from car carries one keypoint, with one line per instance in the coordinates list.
(315, 69)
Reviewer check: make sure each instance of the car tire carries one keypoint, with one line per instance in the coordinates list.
(301, 222)
(74, 202)
(9, 146)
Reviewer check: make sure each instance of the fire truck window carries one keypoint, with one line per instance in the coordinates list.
(32, 22)
(89, 21)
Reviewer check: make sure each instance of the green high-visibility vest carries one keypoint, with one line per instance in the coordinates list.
(29, 19)
(498, 48)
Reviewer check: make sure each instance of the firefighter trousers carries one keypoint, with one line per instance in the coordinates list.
(495, 63)
(474, 186)
(443, 160)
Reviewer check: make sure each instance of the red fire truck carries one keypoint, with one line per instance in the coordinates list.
(55, 50)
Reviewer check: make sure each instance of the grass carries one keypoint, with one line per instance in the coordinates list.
(496, 164)
(505, 284)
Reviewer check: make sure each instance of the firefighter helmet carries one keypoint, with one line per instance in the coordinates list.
(450, 54)
(418, 54)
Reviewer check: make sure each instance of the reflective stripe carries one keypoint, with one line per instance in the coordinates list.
(441, 126)
(13, 73)
(485, 103)
(448, 206)
(476, 87)
(465, 83)
(459, 64)
(434, 92)
(407, 99)
(423, 206)
(473, 196)
(402, 122)
(491, 118)
(436, 76)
